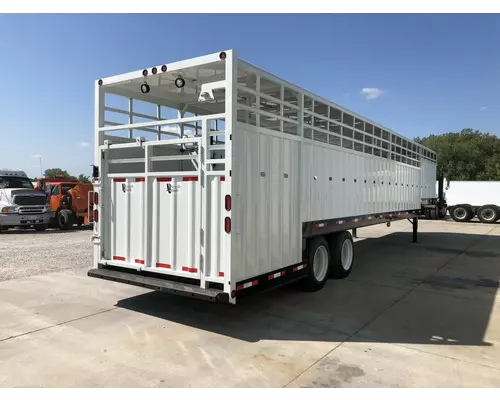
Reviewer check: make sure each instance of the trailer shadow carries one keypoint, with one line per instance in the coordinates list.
(439, 291)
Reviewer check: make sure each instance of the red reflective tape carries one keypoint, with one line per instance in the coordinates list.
(187, 269)
(164, 179)
(276, 275)
(118, 179)
(247, 285)
(119, 258)
(140, 179)
(222, 178)
(138, 261)
(299, 267)
(221, 274)
(162, 265)
(190, 178)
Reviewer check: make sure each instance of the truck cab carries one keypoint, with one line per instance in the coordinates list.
(20, 204)
(68, 201)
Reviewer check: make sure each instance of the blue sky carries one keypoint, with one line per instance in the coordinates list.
(435, 73)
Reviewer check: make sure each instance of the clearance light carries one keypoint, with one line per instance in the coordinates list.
(222, 55)
(180, 83)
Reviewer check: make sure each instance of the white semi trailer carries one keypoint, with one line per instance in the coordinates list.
(467, 199)
(214, 178)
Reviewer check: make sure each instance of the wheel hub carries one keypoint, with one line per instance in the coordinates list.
(320, 263)
(346, 255)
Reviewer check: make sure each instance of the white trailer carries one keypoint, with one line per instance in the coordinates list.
(215, 179)
(467, 199)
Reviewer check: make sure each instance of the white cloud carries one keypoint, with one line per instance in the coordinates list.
(483, 108)
(371, 93)
(83, 144)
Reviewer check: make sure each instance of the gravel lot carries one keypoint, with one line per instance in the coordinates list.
(26, 252)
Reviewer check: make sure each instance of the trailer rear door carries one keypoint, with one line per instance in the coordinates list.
(168, 222)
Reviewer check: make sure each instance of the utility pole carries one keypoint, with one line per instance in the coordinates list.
(41, 169)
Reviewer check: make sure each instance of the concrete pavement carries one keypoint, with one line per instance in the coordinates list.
(410, 315)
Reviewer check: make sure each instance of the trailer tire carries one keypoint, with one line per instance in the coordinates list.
(461, 213)
(318, 264)
(41, 227)
(488, 214)
(342, 255)
(64, 219)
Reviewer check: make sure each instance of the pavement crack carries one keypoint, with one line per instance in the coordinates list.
(54, 325)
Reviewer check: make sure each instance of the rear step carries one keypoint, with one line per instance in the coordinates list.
(163, 285)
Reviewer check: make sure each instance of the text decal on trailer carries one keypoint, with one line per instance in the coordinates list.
(172, 188)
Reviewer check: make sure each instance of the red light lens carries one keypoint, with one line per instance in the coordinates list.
(154, 70)
(228, 202)
(100, 82)
(96, 216)
(145, 72)
(96, 198)
(163, 68)
(227, 224)
(222, 55)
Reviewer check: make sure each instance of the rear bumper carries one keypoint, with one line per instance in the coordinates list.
(163, 285)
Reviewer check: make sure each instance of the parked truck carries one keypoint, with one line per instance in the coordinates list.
(468, 199)
(21, 206)
(69, 201)
(227, 180)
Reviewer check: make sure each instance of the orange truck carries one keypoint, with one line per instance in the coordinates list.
(69, 201)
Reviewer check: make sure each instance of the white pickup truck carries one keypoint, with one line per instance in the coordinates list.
(20, 204)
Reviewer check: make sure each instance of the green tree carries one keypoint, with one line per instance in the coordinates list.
(58, 173)
(466, 155)
(83, 179)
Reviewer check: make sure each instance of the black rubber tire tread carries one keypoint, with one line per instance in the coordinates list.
(65, 220)
(468, 213)
(493, 208)
(335, 242)
(311, 284)
(41, 227)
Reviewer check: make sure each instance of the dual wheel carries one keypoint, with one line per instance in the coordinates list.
(331, 256)
(487, 214)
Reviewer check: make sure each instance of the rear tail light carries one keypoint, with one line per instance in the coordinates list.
(96, 215)
(228, 202)
(227, 224)
(96, 198)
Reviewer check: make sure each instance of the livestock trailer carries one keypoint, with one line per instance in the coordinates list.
(214, 179)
